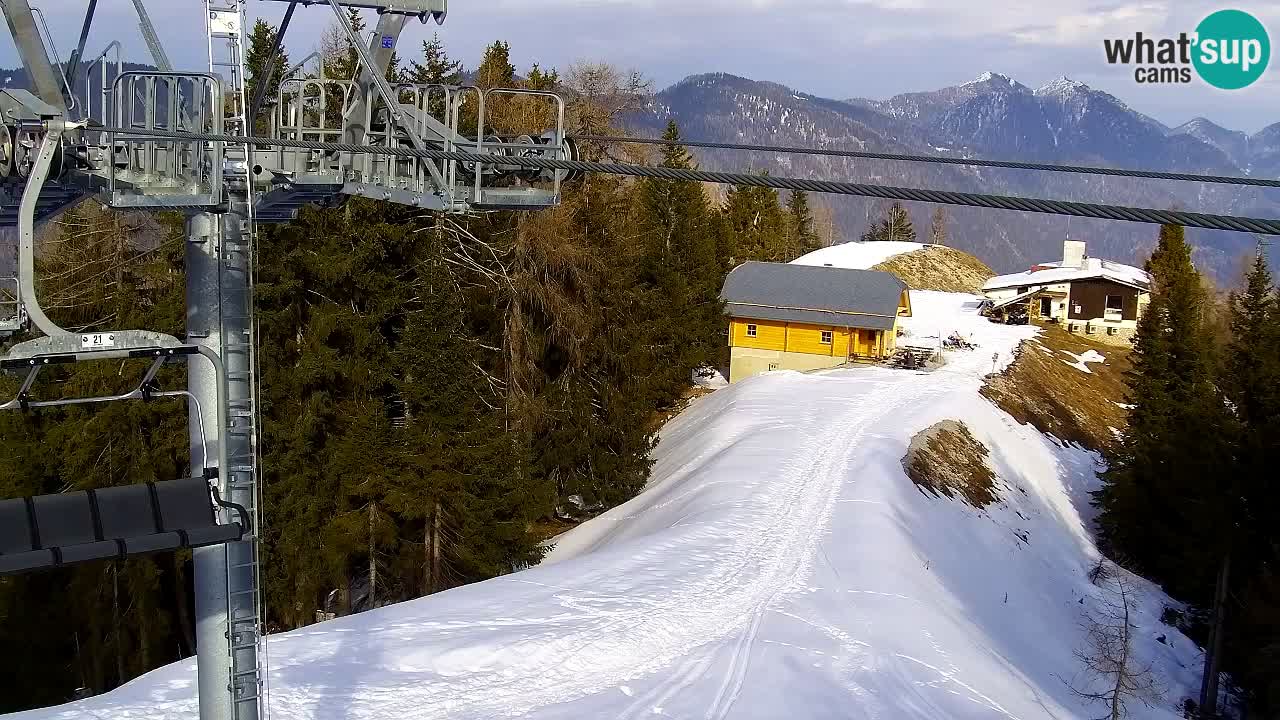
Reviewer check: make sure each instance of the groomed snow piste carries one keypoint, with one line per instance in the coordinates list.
(780, 565)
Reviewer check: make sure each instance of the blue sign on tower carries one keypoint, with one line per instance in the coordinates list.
(388, 42)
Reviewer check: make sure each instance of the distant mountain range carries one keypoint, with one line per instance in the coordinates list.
(992, 116)
(996, 117)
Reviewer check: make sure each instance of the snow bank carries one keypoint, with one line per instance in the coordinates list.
(780, 564)
(857, 255)
(1081, 361)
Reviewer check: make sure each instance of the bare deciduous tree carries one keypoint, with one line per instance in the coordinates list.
(601, 94)
(1110, 674)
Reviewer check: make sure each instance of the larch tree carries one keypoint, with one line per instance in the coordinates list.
(938, 226)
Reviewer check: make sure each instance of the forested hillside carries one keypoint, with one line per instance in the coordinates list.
(438, 391)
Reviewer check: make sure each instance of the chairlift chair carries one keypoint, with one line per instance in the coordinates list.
(48, 531)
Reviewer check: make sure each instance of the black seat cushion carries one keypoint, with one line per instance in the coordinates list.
(127, 511)
(65, 519)
(15, 527)
(185, 505)
(128, 514)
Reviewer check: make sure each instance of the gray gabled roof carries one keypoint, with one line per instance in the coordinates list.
(815, 295)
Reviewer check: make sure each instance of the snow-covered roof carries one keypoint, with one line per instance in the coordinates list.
(817, 295)
(1052, 273)
(857, 255)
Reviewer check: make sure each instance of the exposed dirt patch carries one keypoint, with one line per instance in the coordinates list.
(946, 459)
(661, 417)
(547, 528)
(939, 268)
(1045, 388)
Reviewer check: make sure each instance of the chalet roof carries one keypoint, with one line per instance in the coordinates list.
(1054, 273)
(838, 297)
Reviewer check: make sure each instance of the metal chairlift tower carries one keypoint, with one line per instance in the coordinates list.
(56, 148)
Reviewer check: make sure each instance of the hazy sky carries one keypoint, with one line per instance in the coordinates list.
(834, 48)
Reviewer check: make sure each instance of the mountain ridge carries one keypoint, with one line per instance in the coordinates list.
(1063, 121)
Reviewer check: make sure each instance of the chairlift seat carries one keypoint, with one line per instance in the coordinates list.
(55, 530)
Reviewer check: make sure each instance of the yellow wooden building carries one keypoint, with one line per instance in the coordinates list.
(798, 317)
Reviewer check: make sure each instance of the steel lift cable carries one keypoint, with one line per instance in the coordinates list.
(1210, 221)
(943, 160)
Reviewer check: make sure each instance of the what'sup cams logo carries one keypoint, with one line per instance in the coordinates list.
(1229, 50)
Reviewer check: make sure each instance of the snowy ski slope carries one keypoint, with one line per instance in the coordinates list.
(780, 565)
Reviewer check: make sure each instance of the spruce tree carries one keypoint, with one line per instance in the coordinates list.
(1251, 381)
(1162, 501)
(801, 236)
(495, 69)
(259, 66)
(755, 219)
(435, 68)
(680, 270)
(895, 226)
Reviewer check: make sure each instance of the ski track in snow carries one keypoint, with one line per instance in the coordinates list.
(779, 563)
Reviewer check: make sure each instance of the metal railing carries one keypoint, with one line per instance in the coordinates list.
(173, 171)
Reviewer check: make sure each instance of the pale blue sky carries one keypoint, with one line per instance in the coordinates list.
(834, 48)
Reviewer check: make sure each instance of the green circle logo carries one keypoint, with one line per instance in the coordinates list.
(1232, 49)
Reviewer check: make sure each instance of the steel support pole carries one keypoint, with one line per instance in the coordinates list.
(213, 645)
(219, 318)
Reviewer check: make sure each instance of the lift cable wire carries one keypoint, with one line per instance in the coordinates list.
(943, 160)
(997, 202)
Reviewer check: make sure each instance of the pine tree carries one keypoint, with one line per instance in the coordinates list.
(801, 236)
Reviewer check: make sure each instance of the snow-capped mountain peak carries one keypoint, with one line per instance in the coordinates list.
(1063, 87)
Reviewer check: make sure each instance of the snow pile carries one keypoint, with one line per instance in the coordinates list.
(857, 255)
(1080, 362)
(780, 564)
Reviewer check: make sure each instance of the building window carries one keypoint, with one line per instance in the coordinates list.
(1115, 307)
(826, 337)
(751, 331)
